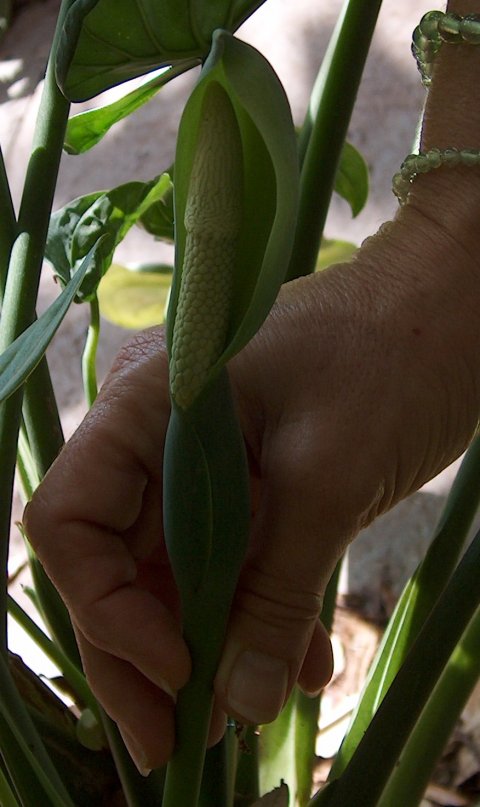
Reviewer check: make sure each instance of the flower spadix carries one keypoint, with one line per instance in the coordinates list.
(212, 220)
(236, 176)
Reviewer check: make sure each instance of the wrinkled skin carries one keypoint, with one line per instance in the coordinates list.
(361, 385)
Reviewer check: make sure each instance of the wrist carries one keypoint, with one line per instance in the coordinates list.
(450, 196)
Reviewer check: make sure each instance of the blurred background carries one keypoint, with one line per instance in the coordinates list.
(293, 36)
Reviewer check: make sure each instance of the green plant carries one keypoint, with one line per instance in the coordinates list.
(265, 212)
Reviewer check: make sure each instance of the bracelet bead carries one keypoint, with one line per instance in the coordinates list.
(429, 24)
(426, 161)
(470, 29)
(436, 28)
(449, 28)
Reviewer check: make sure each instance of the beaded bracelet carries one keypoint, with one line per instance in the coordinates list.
(422, 163)
(435, 28)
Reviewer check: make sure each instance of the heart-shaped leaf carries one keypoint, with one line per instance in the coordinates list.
(94, 53)
(77, 226)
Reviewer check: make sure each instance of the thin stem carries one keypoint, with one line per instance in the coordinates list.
(247, 786)
(8, 224)
(307, 710)
(418, 598)
(32, 759)
(216, 787)
(71, 673)
(89, 357)
(137, 790)
(7, 797)
(374, 760)
(193, 713)
(326, 125)
(23, 279)
(42, 419)
(419, 757)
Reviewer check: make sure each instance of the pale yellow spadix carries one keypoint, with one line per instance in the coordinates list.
(213, 217)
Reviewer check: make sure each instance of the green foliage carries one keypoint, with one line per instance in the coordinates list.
(110, 214)
(351, 180)
(260, 223)
(24, 354)
(87, 128)
(94, 55)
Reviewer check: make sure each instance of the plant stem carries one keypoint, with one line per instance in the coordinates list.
(41, 418)
(307, 710)
(247, 785)
(377, 754)
(7, 797)
(215, 788)
(8, 223)
(23, 279)
(89, 371)
(326, 126)
(71, 673)
(32, 760)
(418, 598)
(430, 736)
(184, 771)
(138, 790)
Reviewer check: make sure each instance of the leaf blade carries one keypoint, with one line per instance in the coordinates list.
(24, 354)
(88, 128)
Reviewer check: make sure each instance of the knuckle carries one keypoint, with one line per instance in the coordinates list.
(277, 602)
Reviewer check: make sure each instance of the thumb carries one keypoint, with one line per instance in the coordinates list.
(274, 638)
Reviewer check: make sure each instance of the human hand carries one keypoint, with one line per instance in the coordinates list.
(345, 398)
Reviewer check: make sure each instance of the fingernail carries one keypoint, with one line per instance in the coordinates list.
(257, 686)
(136, 752)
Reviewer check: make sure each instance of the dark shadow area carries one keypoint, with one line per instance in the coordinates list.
(384, 556)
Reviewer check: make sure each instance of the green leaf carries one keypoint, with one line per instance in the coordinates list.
(87, 128)
(377, 754)
(351, 180)
(437, 722)
(23, 355)
(269, 170)
(7, 797)
(77, 226)
(146, 35)
(134, 299)
(158, 218)
(334, 251)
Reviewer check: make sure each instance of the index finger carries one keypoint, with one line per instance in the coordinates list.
(92, 497)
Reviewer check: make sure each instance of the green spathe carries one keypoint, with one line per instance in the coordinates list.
(269, 186)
